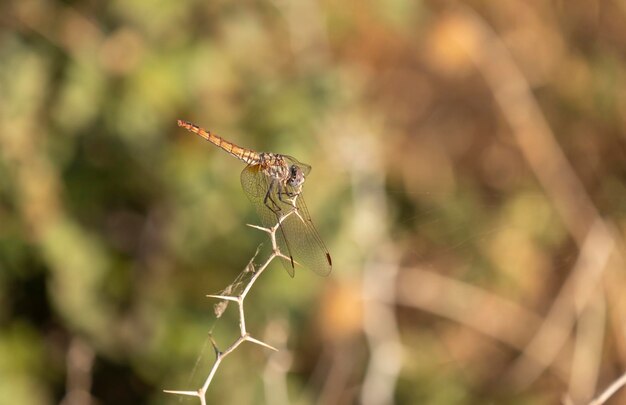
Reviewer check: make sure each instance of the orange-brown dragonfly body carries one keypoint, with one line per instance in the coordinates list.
(270, 180)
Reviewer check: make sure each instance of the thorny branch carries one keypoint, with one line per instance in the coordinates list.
(230, 294)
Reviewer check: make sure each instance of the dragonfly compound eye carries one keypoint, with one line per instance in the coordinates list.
(296, 177)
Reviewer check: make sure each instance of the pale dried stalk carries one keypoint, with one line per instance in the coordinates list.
(80, 359)
(560, 182)
(244, 335)
(278, 364)
(380, 267)
(469, 305)
(608, 393)
(573, 297)
(587, 356)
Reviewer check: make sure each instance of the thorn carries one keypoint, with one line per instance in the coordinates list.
(258, 342)
(224, 297)
(297, 213)
(282, 256)
(260, 228)
(291, 259)
(188, 393)
(215, 348)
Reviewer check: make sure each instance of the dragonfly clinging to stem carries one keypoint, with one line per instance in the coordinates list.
(273, 183)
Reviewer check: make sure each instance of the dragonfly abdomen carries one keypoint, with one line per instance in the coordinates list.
(247, 155)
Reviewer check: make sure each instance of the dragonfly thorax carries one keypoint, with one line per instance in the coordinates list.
(274, 166)
(277, 167)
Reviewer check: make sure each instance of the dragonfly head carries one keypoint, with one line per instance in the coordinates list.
(296, 176)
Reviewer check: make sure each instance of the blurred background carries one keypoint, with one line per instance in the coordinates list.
(468, 179)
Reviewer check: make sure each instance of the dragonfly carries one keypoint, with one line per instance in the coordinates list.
(273, 183)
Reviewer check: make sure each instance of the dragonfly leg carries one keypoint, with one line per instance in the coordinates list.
(274, 207)
(282, 191)
(290, 194)
(276, 210)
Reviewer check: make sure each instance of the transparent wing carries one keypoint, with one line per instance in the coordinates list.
(256, 185)
(305, 243)
(306, 169)
(297, 236)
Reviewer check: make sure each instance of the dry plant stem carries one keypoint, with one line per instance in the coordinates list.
(336, 389)
(380, 269)
(571, 300)
(588, 349)
(278, 363)
(485, 312)
(468, 305)
(547, 160)
(530, 128)
(610, 391)
(239, 299)
(80, 359)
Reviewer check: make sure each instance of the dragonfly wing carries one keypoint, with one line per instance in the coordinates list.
(297, 236)
(256, 185)
(305, 243)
